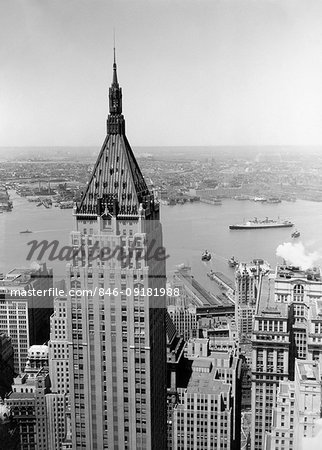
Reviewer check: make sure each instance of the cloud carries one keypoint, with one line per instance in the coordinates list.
(296, 255)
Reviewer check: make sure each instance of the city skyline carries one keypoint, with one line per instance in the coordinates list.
(133, 336)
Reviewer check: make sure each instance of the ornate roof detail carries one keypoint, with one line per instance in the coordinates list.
(116, 186)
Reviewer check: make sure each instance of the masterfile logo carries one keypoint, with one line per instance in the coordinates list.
(51, 251)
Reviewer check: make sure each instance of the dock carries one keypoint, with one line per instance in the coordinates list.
(224, 282)
(201, 296)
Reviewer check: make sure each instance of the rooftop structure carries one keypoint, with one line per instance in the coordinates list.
(37, 357)
(308, 371)
(117, 186)
(266, 300)
(292, 272)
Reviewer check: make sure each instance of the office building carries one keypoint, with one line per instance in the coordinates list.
(58, 347)
(176, 371)
(248, 281)
(298, 408)
(286, 330)
(248, 277)
(27, 403)
(314, 337)
(56, 411)
(117, 352)
(270, 360)
(40, 415)
(25, 308)
(58, 402)
(221, 332)
(184, 319)
(6, 364)
(207, 414)
(302, 290)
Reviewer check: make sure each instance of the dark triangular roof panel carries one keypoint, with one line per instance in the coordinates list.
(116, 177)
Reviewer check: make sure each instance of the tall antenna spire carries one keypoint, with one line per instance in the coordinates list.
(114, 82)
(115, 102)
(114, 45)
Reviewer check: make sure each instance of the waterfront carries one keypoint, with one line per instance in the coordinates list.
(188, 230)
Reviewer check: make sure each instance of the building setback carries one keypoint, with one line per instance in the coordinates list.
(27, 401)
(39, 414)
(207, 413)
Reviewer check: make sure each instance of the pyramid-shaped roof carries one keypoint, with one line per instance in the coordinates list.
(116, 186)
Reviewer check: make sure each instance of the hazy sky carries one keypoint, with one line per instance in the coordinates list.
(219, 72)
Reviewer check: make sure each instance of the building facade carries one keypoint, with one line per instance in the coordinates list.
(58, 348)
(6, 364)
(270, 360)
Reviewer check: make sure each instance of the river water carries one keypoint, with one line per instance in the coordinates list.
(187, 229)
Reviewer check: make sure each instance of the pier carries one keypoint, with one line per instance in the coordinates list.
(202, 297)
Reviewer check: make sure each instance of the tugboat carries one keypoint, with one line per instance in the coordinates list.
(296, 234)
(25, 231)
(206, 256)
(232, 262)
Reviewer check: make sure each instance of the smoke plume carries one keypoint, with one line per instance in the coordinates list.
(313, 443)
(296, 255)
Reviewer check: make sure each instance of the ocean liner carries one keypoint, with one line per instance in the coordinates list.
(257, 224)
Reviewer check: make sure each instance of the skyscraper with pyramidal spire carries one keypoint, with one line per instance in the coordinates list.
(116, 303)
